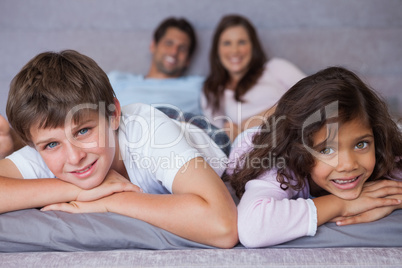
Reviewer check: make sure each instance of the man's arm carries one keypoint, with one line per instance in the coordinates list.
(200, 208)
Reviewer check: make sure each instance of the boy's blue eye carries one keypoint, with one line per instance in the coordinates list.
(52, 145)
(83, 131)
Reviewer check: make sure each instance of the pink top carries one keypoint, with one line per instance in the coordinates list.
(278, 76)
(268, 215)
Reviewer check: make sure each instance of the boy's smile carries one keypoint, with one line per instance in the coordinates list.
(82, 153)
(345, 159)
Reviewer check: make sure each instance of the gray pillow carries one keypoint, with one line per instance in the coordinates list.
(386, 232)
(33, 230)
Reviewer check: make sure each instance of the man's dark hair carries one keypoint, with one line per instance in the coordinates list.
(181, 24)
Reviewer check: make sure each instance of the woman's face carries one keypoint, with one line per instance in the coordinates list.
(235, 50)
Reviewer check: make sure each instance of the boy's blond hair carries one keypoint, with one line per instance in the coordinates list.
(50, 85)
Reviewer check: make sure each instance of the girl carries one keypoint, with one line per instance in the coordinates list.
(243, 83)
(322, 156)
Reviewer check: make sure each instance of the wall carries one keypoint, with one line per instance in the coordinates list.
(363, 35)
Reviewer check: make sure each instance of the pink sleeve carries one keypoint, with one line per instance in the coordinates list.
(268, 215)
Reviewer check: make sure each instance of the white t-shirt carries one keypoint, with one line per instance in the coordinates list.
(182, 92)
(153, 147)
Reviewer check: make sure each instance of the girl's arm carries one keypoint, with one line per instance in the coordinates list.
(269, 215)
(200, 208)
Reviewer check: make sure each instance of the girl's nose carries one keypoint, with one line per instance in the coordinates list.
(347, 161)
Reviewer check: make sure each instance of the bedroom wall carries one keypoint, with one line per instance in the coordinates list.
(363, 35)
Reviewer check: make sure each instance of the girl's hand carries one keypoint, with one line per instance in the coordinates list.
(368, 216)
(113, 183)
(377, 200)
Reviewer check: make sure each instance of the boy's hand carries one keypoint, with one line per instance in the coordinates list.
(113, 183)
(97, 206)
(94, 200)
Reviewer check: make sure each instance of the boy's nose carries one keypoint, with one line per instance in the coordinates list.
(75, 154)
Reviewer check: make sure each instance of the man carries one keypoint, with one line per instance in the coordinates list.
(172, 47)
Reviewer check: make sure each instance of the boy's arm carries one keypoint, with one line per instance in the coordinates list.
(17, 193)
(200, 208)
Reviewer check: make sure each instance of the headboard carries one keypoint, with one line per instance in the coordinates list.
(363, 35)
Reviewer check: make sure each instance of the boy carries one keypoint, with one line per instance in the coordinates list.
(63, 106)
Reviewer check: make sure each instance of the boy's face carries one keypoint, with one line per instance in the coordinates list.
(81, 154)
(346, 161)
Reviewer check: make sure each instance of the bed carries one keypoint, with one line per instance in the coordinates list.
(57, 239)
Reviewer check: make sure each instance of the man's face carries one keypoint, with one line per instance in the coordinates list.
(170, 54)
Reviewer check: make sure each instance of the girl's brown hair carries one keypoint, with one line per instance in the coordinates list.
(288, 133)
(218, 77)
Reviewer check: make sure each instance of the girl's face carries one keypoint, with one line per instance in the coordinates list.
(346, 160)
(235, 50)
(81, 154)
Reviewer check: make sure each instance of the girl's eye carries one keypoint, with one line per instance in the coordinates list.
(51, 145)
(327, 151)
(362, 145)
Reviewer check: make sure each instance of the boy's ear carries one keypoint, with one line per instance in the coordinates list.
(115, 119)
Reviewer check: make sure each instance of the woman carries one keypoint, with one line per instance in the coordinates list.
(243, 84)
